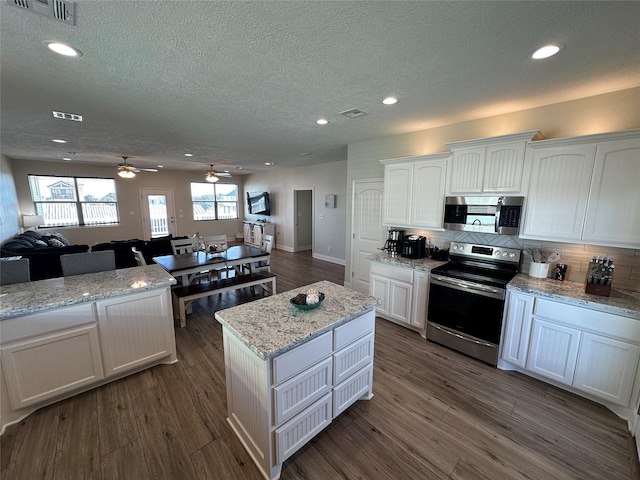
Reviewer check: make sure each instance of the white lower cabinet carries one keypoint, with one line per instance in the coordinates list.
(275, 406)
(403, 292)
(591, 351)
(53, 354)
(134, 330)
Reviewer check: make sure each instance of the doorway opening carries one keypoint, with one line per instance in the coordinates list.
(303, 220)
(158, 212)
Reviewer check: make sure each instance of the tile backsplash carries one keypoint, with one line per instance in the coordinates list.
(576, 255)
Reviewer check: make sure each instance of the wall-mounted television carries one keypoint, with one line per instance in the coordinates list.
(259, 203)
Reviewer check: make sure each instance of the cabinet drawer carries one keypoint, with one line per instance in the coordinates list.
(300, 358)
(589, 320)
(347, 333)
(46, 367)
(302, 428)
(45, 322)
(395, 273)
(352, 358)
(298, 393)
(345, 394)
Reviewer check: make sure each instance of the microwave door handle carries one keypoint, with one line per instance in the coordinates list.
(497, 219)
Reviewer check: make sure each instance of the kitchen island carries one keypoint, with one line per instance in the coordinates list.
(290, 372)
(63, 336)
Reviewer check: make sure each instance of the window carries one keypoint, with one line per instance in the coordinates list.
(73, 201)
(214, 201)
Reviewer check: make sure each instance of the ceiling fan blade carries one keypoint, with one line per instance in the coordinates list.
(155, 170)
(223, 174)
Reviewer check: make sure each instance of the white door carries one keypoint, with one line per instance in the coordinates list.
(158, 212)
(303, 229)
(368, 232)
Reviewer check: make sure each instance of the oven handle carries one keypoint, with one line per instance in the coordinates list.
(458, 284)
(461, 337)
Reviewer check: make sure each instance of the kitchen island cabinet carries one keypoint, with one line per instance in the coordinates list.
(588, 347)
(62, 336)
(289, 372)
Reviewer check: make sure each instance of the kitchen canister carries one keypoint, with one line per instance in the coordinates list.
(538, 270)
(561, 271)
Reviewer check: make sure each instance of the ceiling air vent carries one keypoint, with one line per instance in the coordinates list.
(67, 116)
(353, 113)
(58, 9)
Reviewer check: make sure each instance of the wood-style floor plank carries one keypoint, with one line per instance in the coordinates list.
(435, 414)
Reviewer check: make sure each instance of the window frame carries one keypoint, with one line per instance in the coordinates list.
(79, 203)
(215, 201)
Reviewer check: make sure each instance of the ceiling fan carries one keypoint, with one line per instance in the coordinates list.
(213, 176)
(126, 170)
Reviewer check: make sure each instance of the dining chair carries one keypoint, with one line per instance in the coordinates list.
(14, 271)
(267, 245)
(184, 245)
(139, 257)
(221, 242)
(87, 262)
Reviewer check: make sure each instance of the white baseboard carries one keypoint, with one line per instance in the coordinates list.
(285, 248)
(339, 261)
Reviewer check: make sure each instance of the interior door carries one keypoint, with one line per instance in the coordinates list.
(368, 232)
(303, 230)
(158, 212)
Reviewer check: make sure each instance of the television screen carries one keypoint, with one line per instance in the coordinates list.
(259, 203)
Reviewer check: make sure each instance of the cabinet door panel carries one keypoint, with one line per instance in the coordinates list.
(613, 214)
(135, 330)
(503, 168)
(467, 170)
(554, 351)
(400, 295)
(379, 288)
(517, 329)
(428, 193)
(398, 181)
(606, 368)
(558, 192)
(46, 367)
(420, 300)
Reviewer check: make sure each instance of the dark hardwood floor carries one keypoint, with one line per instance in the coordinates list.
(435, 414)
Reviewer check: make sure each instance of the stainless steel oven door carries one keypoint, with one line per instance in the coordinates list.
(465, 316)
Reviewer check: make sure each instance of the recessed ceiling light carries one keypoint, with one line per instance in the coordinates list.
(57, 140)
(188, 154)
(239, 168)
(160, 166)
(322, 121)
(269, 164)
(67, 159)
(390, 100)
(63, 49)
(306, 154)
(546, 51)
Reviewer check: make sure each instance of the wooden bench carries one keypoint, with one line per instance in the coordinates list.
(213, 287)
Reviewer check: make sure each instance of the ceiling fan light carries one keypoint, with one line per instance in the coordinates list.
(126, 173)
(211, 177)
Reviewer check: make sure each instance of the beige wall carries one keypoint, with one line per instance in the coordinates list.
(599, 114)
(128, 192)
(328, 231)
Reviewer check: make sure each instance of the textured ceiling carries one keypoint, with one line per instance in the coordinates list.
(242, 83)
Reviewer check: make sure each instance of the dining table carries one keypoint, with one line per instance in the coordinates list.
(187, 265)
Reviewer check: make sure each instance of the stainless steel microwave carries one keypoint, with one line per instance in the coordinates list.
(499, 215)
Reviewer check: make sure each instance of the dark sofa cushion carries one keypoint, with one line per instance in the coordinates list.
(157, 247)
(122, 250)
(44, 262)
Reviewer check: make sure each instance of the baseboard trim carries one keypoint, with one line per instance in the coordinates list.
(285, 248)
(338, 261)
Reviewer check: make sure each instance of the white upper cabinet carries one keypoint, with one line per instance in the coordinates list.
(414, 191)
(489, 165)
(585, 189)
(613, 213)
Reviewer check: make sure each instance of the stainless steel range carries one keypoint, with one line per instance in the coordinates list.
(466, 298)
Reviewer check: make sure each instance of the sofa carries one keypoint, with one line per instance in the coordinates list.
(122, 250)
(43, 251)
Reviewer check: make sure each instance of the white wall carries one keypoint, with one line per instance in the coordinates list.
(602, 113)
(328, 231)
(9, 211)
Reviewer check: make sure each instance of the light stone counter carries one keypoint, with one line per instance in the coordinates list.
(424, 264)
(26, 298)
(271, 326)
(621, 302)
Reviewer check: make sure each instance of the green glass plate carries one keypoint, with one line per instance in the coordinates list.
(308, 307)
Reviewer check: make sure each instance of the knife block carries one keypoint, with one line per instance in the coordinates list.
(602, 290)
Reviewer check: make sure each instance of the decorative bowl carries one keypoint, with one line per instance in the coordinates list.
(304, 306)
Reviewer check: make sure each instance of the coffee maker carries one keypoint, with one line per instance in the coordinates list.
(394, 241)
(414, 246)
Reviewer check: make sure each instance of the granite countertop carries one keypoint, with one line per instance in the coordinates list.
(424, 264)
(271, 326)
(21, 299)
(621, 302)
